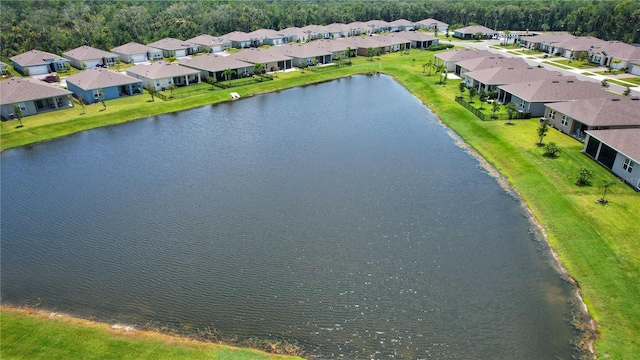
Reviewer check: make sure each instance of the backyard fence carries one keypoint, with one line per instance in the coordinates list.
(488, 117)
(166, 95)
(241, 82)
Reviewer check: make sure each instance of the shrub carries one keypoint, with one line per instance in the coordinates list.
(584, 176)
(439, 47)
(551, 150)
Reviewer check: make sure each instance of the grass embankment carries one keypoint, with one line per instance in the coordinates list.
(28, 335)
(596, 243)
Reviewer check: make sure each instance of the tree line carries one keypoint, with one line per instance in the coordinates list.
(60, 25)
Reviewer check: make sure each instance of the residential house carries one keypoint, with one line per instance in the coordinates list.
(469, 32)
(294, 34)
(432, 24)
(338, 30)
(315, 32)
(574, 48)
(376, 26)
(614, 54)
(134, 52)
(212, 66)
(634, 67)
(490, 78)
(86, 57)
(543, 42)
(161, 75)
(618, 150)
(270, 58)
(534, 96)
(88, 85)
(487, 62)
(238, 39)
(3, 68)
(356, 28)
(576, 117)
(451, 57)
(175, 47)
(32, 97)
(37, 62)
(210, 43)
(417, 40)
(266, 37)
(306, 53)
(362, 44)
(401, 25)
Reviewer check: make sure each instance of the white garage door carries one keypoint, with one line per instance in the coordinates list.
(635, 69)
(139, 58)
(92, 63)
(39, 70)
(181, 53)
(217, 48)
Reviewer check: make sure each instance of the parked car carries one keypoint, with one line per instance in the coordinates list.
(49, 78)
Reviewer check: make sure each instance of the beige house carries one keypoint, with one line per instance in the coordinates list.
(133, 52)
(270, 58)
(32, 97)
(161, 75)
(490, 78)
(618, 150)
(86, 57)
(212, 66)
(451, 57)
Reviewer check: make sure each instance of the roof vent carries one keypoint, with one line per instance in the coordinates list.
(570, 81)
(614, 99)
(509, 68)
(635, 98)
(555, 81)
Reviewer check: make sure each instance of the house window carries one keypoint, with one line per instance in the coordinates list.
(22, 107)
(565, 120)
(628, 165)
(522, 104)
(552, 114)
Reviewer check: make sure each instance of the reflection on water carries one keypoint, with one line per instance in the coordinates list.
(340, 216)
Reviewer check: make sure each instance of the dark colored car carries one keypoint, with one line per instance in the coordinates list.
(49, 78)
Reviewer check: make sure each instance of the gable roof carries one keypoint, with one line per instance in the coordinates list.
(488, 62)
(475, 29)
(171, 44)
(511, 74)
(160, 70)
(87, 53)
(401, 22)
(566, 88)
(237, 36)
(214, 63)
(548, 38)
(463, 54)
(206, 40)
(618, 50)
(15, 90)
(412, 36)
(259, 56)
(100, 78)
(36, 57)
(431, 21)
(625, 141)
(265, 34)
(338, 27)
(612, 111)
(133, 48)
(315, 29)
(302, 51)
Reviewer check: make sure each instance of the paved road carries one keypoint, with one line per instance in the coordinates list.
(485, 45)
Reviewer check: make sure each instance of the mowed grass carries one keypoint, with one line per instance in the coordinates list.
(28, 335)
(597, 244)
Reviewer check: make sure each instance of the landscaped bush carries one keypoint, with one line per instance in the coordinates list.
(439, 47)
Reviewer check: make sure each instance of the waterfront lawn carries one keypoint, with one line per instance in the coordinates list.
(596, 243)
(41, 336)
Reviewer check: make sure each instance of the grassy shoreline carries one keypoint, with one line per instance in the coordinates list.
(594, 243)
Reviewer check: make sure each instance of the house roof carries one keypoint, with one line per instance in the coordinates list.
(160, 70)
(206, 40)
(296, 31)
(376, 23)
(625, 141)
(548, 38)
(511, 75)
(214, 63)
(431, 21)
(17, 90)
(133, 48)
(612, 111)
(475, 29)
(259, 56)
(338, 27)
(315, 29)
(401, 22)
(237, 36)
(100, 78)
(85, 52)
(412, 36)
(463, 54)
(566, 88)
(265, 34)
(618, 50)
(365, 42)
(357, 25)
(494, 61)
(303, 51)
(36, 57)
(579, 43)
(171, 44)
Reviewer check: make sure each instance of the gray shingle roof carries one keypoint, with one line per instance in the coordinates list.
(475, 29)
(612, 111)
(431, 21)
(214, 63)
(511, 75)
(160, 70)
(566, 88)
(16, 90)
(85, 52)
(206, 39)
(171, 44)
(259, 56)
(36, 57)
(491, 62)
(100, 78)
(625, 141)
(132, 48)
(463, 54)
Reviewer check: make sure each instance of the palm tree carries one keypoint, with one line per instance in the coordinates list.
(257, 68)
(495, 106)
(350, 53)
(429, 65)
(506, 37)
(441, 69)
(370, 53)
(18, 113)
(228, 74)
(512, 109)
(461, 87)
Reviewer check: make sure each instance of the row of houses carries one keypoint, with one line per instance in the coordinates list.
(614, 54)
(608, 124)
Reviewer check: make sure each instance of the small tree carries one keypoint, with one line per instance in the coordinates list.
(370, 53)
(606, 184)
(276, 69)
(378, 52)
(479, 35)
(551, 150)
(303, 65)
(257, 68)
(211, 80)
(349, 52)
(584, 176)
(171, 87)
(627, 91)
(152, 91)
(495, 107)
(604, 83)
(101, 98)
(428, 65)
(18, 113)
(482, 95)
(542, 130)
(413, 62)
(118, 63)
(512, 109)
(472, 92)
(228, 74)
(461, 87)
(446, 34)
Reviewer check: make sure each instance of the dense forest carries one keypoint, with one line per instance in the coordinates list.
(60, 25)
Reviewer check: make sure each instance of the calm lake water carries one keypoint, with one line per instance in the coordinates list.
(341, 216)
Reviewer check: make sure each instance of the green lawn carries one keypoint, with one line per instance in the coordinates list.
(597, 244)
(556, 64)
(577, 64)
(587, 73)
(38, 336)
(621, 81)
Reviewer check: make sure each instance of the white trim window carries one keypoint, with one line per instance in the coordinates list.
(628, 165)
(22, 107)
(552, 114)
(565, 120)
(522, 104)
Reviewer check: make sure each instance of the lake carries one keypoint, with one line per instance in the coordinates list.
(341, 216)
